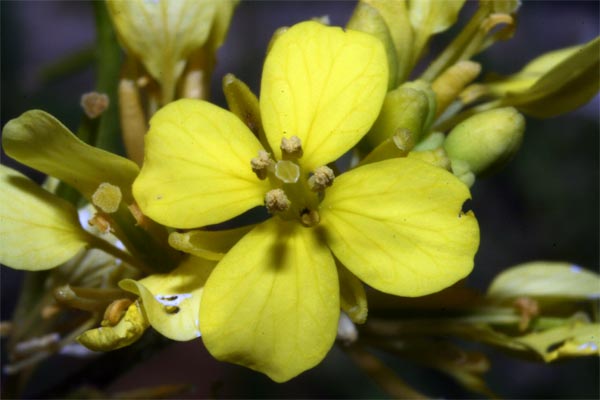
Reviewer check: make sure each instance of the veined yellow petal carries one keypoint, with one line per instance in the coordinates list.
(398, 226)
(272, 303)
(172, 301)
(40, 141)
(37, 229)
(210, 245)
(162, 34)
(325, 86)
(197, 168)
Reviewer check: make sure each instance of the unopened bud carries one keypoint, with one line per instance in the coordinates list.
(452, 81)
(411, 107)
(488, 140)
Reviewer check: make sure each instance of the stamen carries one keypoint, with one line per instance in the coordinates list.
(115, 311)
(322, 178)
(276, 201)
(291, 149)
(287, 171)
(107, 197)
(94, 104)
(101, 223)
(309, 218)
(261, 164)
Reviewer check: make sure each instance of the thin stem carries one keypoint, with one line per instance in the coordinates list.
(385, 377)
(103, 245)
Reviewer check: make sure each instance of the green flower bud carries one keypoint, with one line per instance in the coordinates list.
(411, 107)
(486, 141)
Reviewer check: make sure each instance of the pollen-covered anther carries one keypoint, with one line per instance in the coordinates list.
(291, 149)
(107, 197)
(94, 104)
(115, 311)
(322, 178)
(276, 201)
(260, 165)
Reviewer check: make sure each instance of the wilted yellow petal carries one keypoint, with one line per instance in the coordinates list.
(325, 86)
(40, 141)
(398, 226)
(569, 340)
(171, 301)
(545, 279)
(37, 229)
(127, 331)
(352, 296)
(197, 167)
(162, 34)
(210, 245)
(272, 303)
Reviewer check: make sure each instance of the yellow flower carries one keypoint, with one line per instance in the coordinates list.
(272, 302)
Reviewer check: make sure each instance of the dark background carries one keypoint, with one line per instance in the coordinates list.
(543, 206)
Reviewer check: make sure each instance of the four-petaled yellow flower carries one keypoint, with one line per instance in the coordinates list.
(273, 302)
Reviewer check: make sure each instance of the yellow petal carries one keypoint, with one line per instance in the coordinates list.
(162, 34)
(172, 301)
(429, 17)
(197, 167)
(37, 229)
(272, 303)
(398, 226)
(127, 331)
(210, 245)
(352, 296)
(40, 141)
(325, 86)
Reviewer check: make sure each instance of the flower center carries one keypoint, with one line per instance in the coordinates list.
(295, 193)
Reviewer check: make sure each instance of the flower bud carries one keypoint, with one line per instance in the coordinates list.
(411, 107)
(486, 141)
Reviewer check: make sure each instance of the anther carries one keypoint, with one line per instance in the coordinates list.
(276, 201)
(309, 218)
(261, 164)
(107, 197)
(94, 104)
(322, 178)
(291, 149)
(115, 311)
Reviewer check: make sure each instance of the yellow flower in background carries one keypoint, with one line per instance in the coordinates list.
(272, 303)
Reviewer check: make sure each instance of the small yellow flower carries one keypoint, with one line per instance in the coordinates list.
(272, 303)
